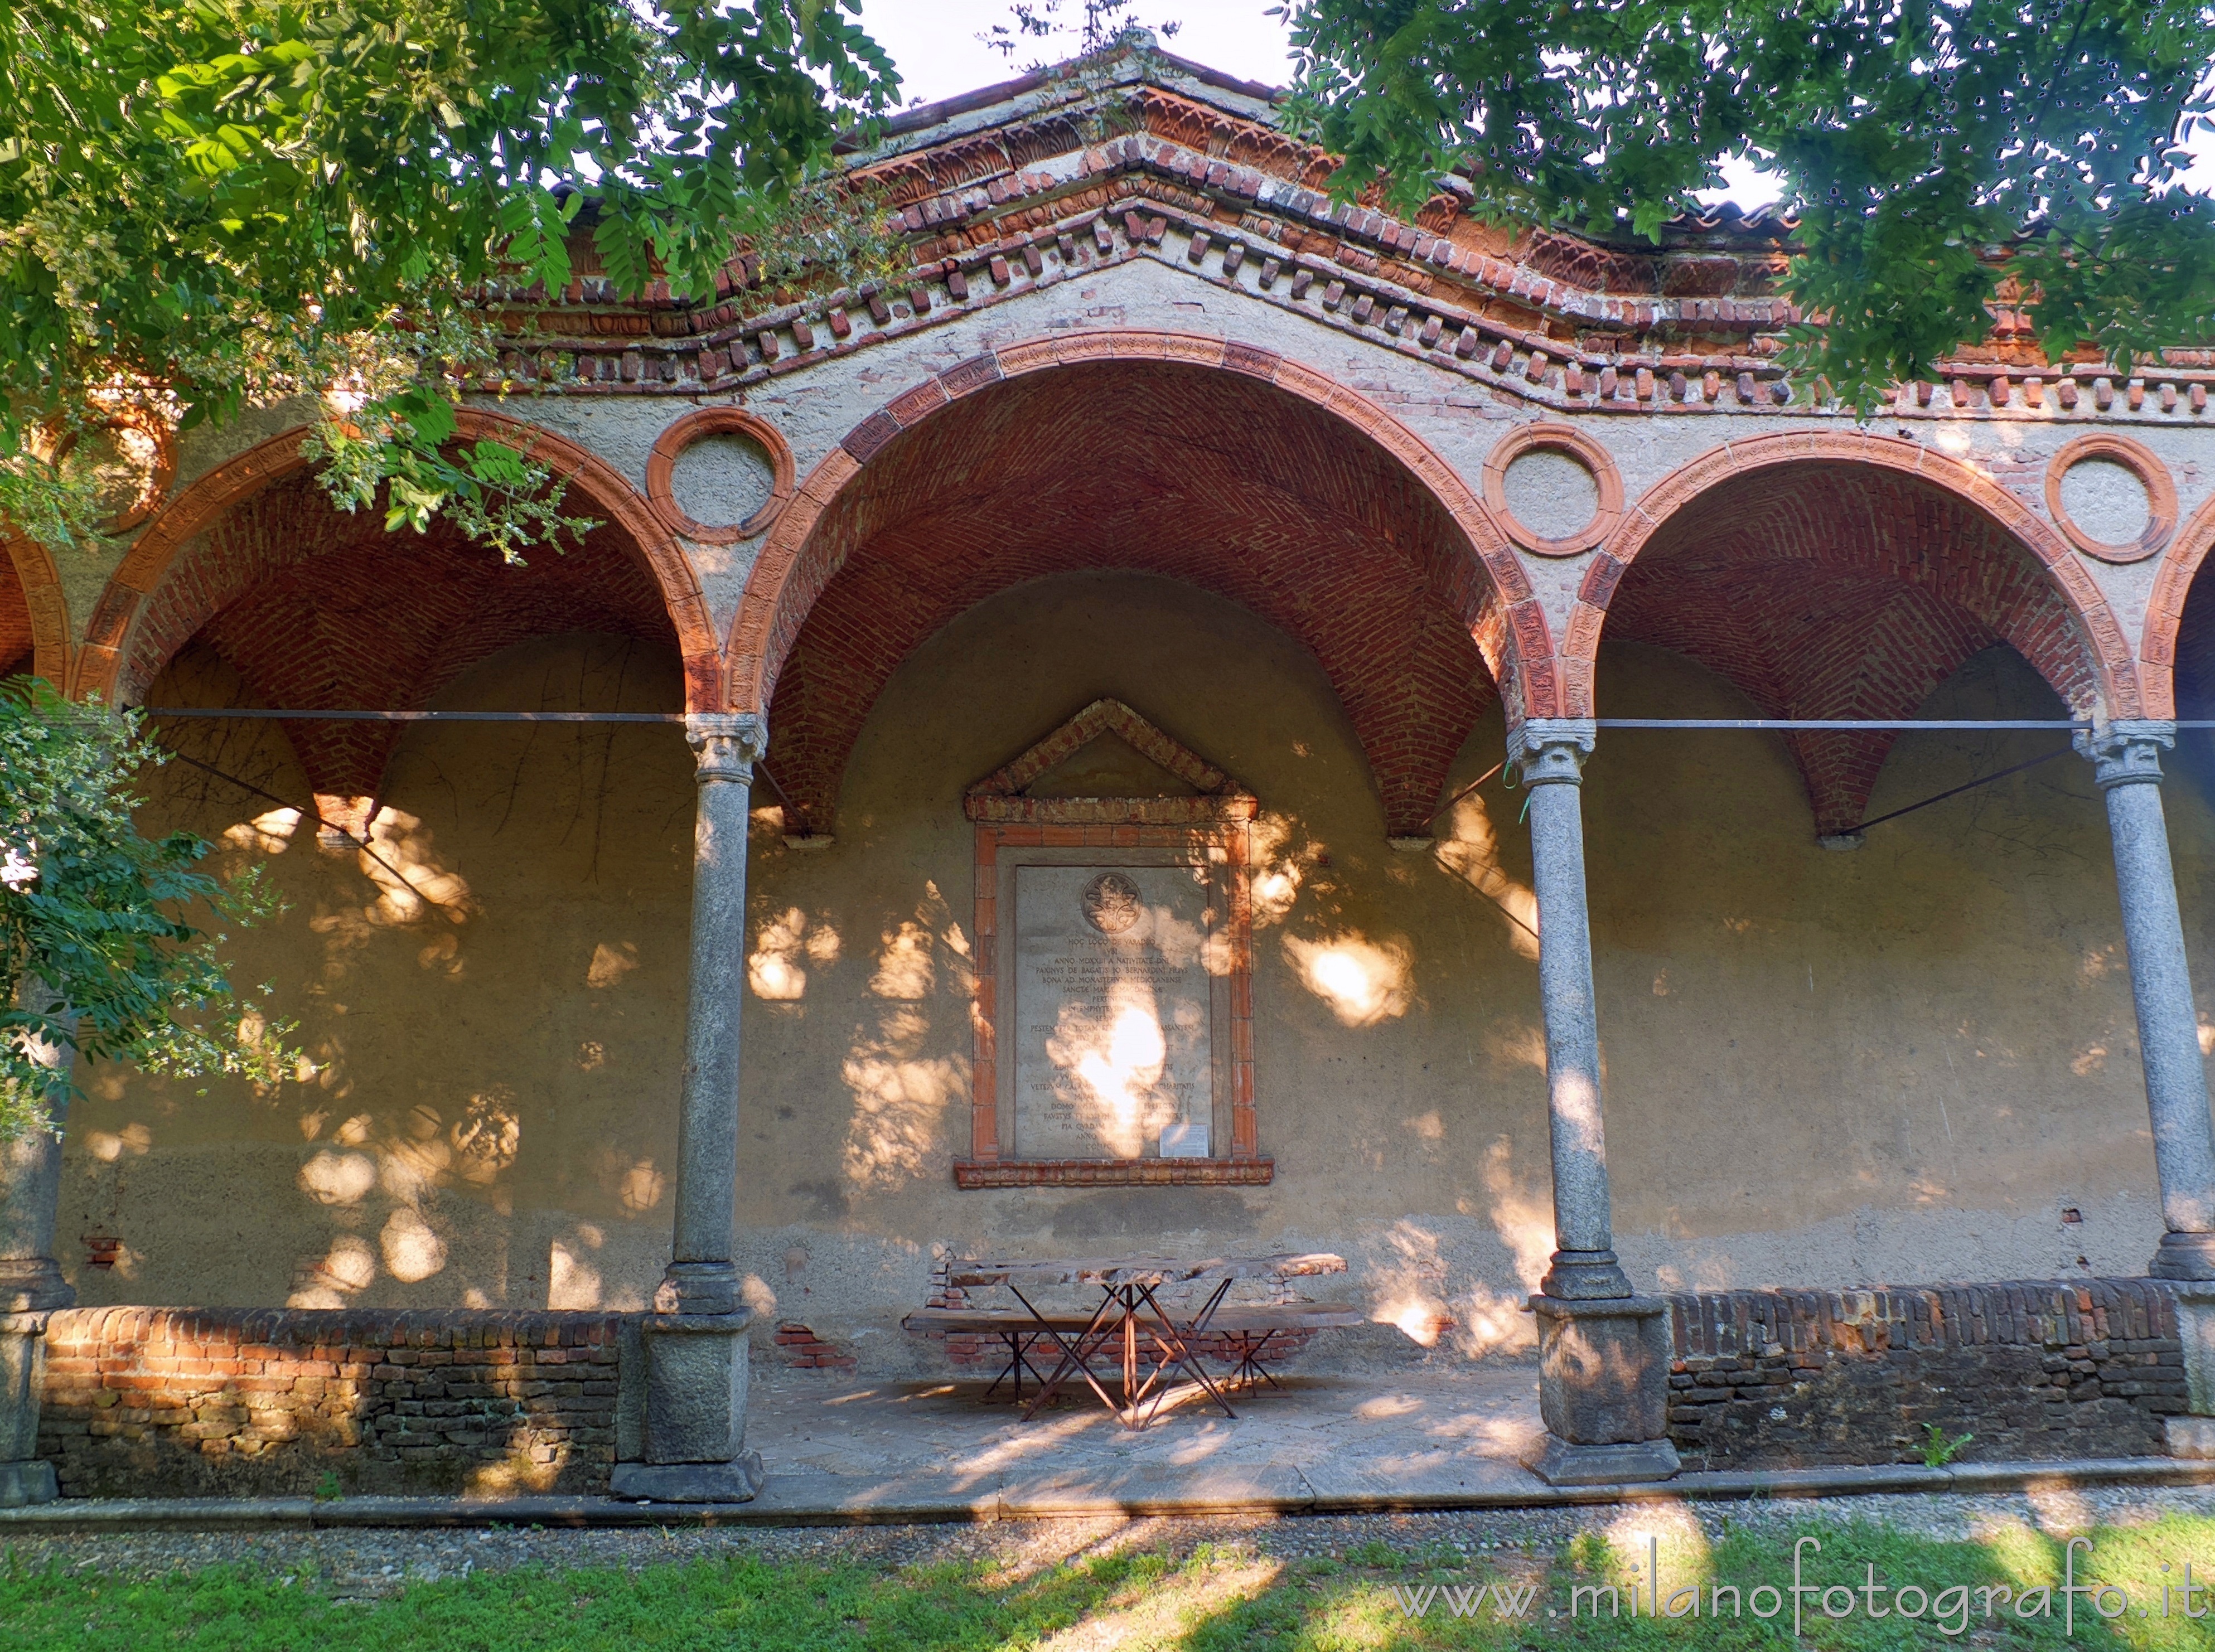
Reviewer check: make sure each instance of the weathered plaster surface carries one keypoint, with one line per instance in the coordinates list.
(1901, 1063)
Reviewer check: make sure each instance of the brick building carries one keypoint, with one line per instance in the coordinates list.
(1168, 523)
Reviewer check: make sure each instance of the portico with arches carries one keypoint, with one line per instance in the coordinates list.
(1669, 879)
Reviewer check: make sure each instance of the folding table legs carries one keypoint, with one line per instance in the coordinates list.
(1018, 1363)
(1076, 1357)
(1172, 1342)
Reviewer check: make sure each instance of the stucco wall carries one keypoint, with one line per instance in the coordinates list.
(1902, 1063)
(494, 1001)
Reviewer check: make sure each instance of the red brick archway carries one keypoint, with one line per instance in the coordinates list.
(34, 613)
(1839, 576)
(162, 594)
(1223, 466)
(2159, 645)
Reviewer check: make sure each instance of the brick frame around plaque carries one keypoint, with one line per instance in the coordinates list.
(1214, 826)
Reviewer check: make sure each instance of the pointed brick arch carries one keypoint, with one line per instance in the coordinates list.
(157, 600)
(2164, 620)
(1831, 575)
(856, 529)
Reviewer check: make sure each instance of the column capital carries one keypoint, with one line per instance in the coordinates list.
(2127, 753)
(1548, 750)
(728, 744)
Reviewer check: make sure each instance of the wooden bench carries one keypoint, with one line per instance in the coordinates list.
(1247, 1330)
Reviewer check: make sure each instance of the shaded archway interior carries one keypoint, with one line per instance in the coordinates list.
(17, 644)
(1197, 474)
(315, 608)
(2195, 678)
(1832, 589)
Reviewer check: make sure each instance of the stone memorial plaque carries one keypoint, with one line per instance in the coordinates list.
(1114, 1027)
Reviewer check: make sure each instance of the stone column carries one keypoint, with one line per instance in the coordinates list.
(692, 1427)
(2127, 762)
(1603, 1349)
(31, 1288)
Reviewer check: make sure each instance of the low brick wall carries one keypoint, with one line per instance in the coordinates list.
(2044, 1369)
(192, 1402)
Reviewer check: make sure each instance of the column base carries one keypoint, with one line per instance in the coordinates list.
(2196, 1329)
(695, 1398)
(1634, 1462)
(34, 1285)
(22, 1484)
(2191, 1437)
(1604, 1389)
(2183, 1256)
(697, 1288)
(1585, 1277)
(739, 1481)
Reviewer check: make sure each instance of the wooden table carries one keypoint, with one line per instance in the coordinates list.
(1128, 1308)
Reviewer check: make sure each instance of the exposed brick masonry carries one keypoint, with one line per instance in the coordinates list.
(180, 1401)
(1208, 477)
(187, 1402)
(15, 638)
(319, 609)
(1834, 590)
(2044, 1369)
(801, 1349)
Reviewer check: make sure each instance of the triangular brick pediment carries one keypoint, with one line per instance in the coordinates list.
(1109, 763)
(1109, 766)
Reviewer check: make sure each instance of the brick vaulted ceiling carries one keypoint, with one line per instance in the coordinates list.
(15, 644)
(1207, 477)
(1835, 590)
(319, 610)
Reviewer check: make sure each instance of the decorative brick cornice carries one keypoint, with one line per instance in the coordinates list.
(1691, 325)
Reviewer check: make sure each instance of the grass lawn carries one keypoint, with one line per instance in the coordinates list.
(1216, 1598)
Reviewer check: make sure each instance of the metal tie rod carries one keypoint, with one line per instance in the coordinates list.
(1801, 724)
(1836, 725)
(257, 711)
(1865, 724)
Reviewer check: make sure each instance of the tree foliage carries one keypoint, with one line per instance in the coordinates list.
(1102, 25)
(102, 947)
(209, 202)
(1933, 149)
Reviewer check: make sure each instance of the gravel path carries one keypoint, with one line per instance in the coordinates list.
(364, 1564)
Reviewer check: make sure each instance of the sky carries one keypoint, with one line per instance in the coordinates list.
(935, 44)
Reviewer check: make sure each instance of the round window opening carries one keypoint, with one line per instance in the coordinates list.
(1555, 490)
(1552, 493)
(721, 482)
(2111, 497)
(719, 476)
(2106, 501)
(127, 462)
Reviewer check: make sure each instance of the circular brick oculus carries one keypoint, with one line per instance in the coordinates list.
(1555, 490)
(2111, 497)
(719, 476)
(131, 458)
